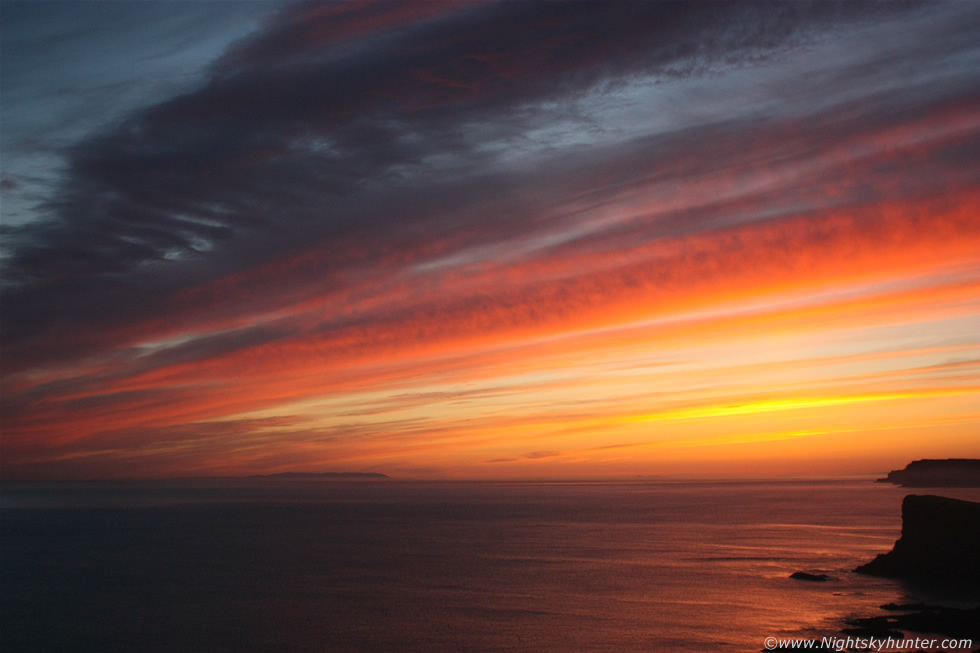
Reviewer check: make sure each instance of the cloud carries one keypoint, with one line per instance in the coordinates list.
(293, 141)
(366, 194)
(536, 455)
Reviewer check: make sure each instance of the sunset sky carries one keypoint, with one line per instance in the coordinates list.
(511, 240)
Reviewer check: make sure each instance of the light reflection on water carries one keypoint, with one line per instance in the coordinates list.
(439, 566)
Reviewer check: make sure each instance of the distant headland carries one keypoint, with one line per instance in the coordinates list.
(952, 472)
(366, 476)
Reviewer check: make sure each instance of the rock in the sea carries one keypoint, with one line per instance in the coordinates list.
(938, 546)
(815, 578)
(952, 472)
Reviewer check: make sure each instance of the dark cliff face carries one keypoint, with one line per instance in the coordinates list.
(953, 472)
(940, 544)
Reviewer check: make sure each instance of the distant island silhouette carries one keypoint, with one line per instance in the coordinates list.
(330, 475)
(951, 472)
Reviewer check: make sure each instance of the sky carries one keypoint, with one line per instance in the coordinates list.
(488, 240)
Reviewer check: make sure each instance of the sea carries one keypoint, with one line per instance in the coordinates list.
(311, 565)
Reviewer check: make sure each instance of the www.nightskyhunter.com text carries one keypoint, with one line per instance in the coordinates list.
(869, 643)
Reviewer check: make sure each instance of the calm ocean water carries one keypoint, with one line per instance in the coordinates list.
(392, 566)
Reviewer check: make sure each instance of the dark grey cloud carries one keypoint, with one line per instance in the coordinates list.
(365, 137)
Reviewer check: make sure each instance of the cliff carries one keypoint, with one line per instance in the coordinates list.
(938, 545)
(953, 472)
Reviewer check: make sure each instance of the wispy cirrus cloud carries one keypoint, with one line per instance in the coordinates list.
(371, 195)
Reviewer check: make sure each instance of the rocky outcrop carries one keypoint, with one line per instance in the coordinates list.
(938, 546)
(813, 578)
(952, 622)
(952, 472)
